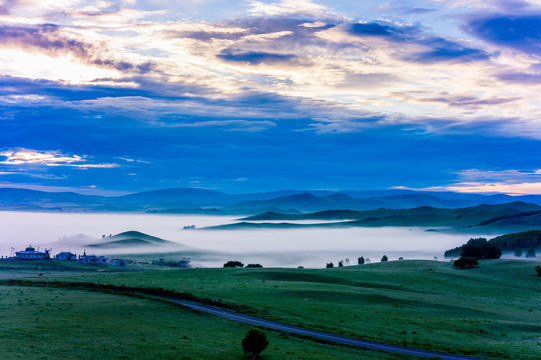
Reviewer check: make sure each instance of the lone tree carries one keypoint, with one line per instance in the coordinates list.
(384, 258)
(360, 260)
(254, 342)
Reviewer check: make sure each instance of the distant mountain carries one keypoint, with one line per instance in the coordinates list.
(200, 201)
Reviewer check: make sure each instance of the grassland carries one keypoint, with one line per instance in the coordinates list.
(52, 323)
(492, 312)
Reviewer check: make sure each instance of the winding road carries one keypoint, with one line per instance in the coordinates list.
(231, 315)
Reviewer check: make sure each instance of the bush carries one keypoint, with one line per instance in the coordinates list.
(538, 269)
(466, 262)
(518, 252)
(329, 265)
(254, 266)
(360, 260)
(233, 264)
(384, 258)
(254, 342)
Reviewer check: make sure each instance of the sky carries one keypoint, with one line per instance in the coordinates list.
(112, 97)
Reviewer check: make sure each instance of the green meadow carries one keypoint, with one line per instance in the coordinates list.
(491, 312)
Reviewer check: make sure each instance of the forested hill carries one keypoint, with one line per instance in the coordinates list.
(525, 240)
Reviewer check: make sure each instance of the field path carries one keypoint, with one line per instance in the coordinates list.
(231, 315)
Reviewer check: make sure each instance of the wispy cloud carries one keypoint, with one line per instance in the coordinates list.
(48, 158)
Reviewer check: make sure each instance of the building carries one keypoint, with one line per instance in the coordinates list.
(66, 255)
(31, 254)
(120, 262)
(93, 259)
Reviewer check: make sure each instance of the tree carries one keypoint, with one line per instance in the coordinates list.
(233, 264)
(518, 252)
(254, 266)
(340, 263)
(491, 252)
(360, 260)
(530, 253)
(254, 342)
(384, 258)
(329, 265)
(465, 262)
(538, 269)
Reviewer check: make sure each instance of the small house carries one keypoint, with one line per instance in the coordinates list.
(93, 259)
(66, 255)
(119, 262)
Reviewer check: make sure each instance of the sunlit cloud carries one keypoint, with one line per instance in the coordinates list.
(48, 158)
(490, 188)
(510, 182)
(286, 7)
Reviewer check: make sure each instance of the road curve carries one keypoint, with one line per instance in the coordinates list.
(231, 315)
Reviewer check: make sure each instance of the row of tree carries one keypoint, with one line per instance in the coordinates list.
(360, 261)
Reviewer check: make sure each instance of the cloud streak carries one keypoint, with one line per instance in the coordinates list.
(47, 158)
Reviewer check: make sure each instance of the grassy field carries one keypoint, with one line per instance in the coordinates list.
(47, 323)
(493, 311)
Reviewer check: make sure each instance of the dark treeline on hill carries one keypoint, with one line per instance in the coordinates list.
(478, 248)
(524, 240)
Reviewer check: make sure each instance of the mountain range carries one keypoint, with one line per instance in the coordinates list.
(201, 201)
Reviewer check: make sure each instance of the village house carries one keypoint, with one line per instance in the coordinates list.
(93, 259)
(31, 254)
(66, 255)
(120, 262)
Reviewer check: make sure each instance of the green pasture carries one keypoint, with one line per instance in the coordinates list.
(51, 323)
(491, 312)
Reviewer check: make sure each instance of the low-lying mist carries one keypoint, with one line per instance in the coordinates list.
(311, 247)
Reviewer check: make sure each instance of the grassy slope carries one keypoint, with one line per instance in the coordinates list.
(45, 323)
(492, 311)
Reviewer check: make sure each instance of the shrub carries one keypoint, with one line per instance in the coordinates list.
(329, 265)
(384, 258)
(466, 262)
(254, 266)
(360, 260)
(233, 264)
(254, 342)
(538, 269)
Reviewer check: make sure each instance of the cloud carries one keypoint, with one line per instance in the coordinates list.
(50, 40)
(527, 188)
(510, 182)
(516, 32)
(255, 57)
(48, 158)
(230, 125)
(436, 48)
(287, 7)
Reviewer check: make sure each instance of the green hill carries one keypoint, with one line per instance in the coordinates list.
(132, 239)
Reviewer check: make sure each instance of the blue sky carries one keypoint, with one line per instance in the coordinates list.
(110, 97)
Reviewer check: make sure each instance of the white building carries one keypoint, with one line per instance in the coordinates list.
(31, 254)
